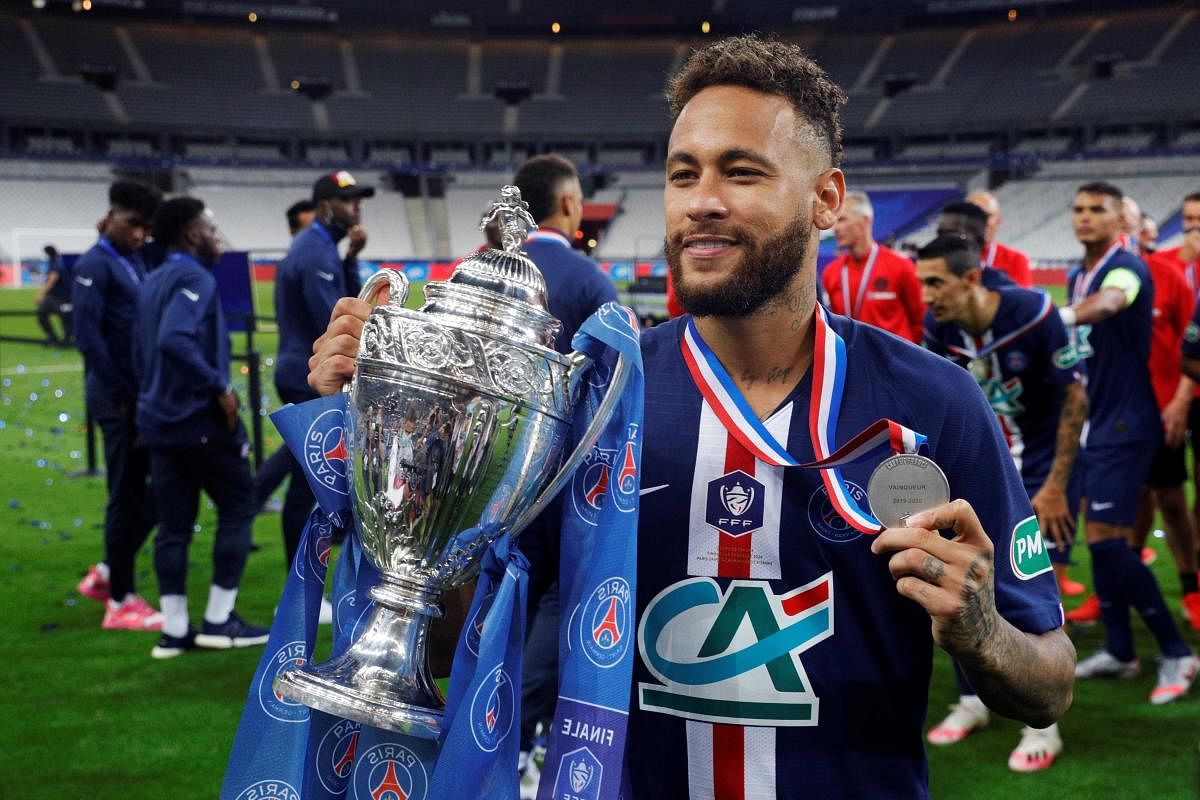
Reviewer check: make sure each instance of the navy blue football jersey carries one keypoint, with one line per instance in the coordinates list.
(1027, 361)
(1116, 353)
(775, 657)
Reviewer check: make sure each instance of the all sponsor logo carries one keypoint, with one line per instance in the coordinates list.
(580, 775)
(590, 483)
(269, 790)
(389, 772)
(334, 761)
(603, 622)
(1027, 550)
(735, 503)
(325, 450)
(492, 709)
(825, 520)
(733, 656)
(274, 704)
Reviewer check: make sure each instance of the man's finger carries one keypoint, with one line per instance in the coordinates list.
(896, 539)
(935, 600)
(918, 564)
(957, 515)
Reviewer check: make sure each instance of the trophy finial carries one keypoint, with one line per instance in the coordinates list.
(513, 217)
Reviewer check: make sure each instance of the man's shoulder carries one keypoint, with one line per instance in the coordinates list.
(661, 338)
(903, 368)
(1009, 255)
(94, 257)
(889, 256)
(1123, 259)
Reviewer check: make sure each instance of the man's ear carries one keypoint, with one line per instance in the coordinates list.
(828, 193)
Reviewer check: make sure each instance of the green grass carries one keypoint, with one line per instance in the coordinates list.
(88, 713)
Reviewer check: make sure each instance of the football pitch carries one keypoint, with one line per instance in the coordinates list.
(88, 713)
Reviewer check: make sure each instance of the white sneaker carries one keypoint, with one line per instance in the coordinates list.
(326, 617)
(1104, 664)
(1037, 749)
(965, 716)
(532, 775)
(1175, 677)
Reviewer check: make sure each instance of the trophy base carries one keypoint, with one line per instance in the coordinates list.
(382, 680)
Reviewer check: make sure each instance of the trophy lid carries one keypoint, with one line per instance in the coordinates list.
(501, 289)
(507, 271)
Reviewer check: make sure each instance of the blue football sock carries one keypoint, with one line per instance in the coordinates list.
(1108, 562)
(1142, 592)
(964, 686)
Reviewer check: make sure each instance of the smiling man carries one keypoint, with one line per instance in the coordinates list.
(783, 650)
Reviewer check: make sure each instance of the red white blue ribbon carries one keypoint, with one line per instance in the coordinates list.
(1083, 284)
(969, 350)
(829, 376)
(853, 311)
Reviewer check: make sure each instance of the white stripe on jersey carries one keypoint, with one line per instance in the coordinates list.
(703, 539)
(757, 762)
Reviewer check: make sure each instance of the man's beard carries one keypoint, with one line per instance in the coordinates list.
(763, 272)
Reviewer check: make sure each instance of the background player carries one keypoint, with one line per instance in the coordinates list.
(1016, 347)
(1012, 263)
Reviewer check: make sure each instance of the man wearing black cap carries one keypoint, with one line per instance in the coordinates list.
(310, 280)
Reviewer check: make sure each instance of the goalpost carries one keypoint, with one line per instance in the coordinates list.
(27, 243)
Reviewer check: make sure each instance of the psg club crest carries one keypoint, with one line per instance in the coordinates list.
(604, 623)
(389, 771)
(625, 497)
(325, 450)
(275, 705)
(317, 547)
(735, 503)
(475, 625)
(579, 775)
(335, 755)
(492, 710)
(269, 790)
(825, 520)
(590, 483)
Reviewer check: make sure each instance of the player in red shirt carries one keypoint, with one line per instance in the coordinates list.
(1174, 304)
(1185, 261)
(1012, 263)
(869, 282)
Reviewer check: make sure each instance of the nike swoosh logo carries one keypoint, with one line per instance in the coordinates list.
(82, 281)
(325, 275)
(652, 489)
(190, 295)
(1102, 506)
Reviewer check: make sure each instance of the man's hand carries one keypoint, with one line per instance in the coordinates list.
(1175, 422)
(227, 401)
(1054, 518)
(951, 579)
(357, 236)
(332, 362)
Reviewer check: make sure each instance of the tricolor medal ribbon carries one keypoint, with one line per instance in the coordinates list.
(829, 375)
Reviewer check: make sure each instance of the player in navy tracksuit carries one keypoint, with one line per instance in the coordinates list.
(1015, 346)
(1112, 300)
(104, 295)
(187, 414)
(575, 288)
(311, 278)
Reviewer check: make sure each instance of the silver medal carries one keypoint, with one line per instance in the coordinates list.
(980, 369)
(903, 485)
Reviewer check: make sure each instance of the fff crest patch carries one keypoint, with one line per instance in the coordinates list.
(580, 775)
(590, 483)
(735, 503)
(389, 771)
(270, 789)
(604, 622)
(824, 519)
(335, 755)
(492, 709)
(325, 451)
(275, 705)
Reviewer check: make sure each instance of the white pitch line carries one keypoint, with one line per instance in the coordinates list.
(40, 370)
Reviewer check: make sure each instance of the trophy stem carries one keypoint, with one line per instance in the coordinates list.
(383, 679)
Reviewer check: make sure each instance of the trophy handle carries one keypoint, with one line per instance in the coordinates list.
(397, 283)
(603, 412)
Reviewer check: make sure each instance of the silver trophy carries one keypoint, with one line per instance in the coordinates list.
(458, 416)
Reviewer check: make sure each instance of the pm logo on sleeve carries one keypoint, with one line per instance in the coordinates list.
(1027, 551)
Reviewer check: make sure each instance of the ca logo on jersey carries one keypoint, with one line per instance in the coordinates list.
(711, 665)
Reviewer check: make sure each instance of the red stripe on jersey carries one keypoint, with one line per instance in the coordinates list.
(805, 600)
(729, 762)
(733, 552)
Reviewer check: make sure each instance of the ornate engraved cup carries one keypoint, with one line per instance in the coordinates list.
(458, 415)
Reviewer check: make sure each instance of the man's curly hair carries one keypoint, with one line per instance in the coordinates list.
(769, 66)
